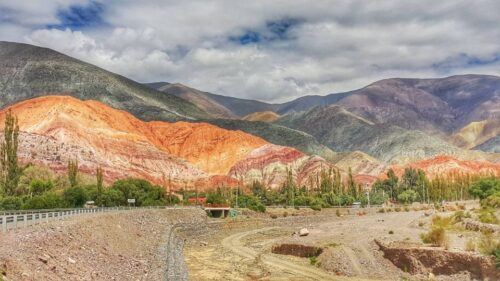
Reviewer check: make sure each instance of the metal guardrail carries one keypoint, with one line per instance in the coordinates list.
(15, 219)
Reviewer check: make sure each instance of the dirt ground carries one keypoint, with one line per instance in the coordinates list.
(125, 245)
(350, 252)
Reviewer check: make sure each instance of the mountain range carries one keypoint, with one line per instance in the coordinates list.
(164, 130)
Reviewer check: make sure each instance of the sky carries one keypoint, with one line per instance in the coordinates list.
(272, 51)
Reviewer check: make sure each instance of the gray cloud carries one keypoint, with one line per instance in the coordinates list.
(329, 46)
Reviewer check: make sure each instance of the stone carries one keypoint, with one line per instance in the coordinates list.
(303, 232)
(44, 258)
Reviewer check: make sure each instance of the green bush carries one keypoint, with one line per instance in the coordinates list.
(49, 200)
(485, 187)
(408, 196)
(251, 202)
(75, 196)
(112, 197)
(487, 215)
(144, 193)
(11, 203)
(38, 186)
(492, 201)
(489, 244)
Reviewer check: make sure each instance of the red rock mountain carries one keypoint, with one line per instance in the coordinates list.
(447, 165)
(58, 128)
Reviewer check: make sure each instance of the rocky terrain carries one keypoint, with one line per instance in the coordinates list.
(28, 71)
(201, 99)
(476, 133)
(58, 128)
(263, 116)
(447, 165)
(344, 131)
(346, 247)
(128, 245)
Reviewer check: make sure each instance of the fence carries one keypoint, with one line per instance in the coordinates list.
(15, 219)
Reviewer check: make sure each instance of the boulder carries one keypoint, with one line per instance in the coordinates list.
(303, 232)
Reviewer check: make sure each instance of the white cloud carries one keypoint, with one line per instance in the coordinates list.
(336, 46)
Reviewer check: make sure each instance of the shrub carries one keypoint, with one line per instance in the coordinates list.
(112, 197)
(38, 187)
(316, 207)
(273, 216)
(421, 223)
(10, 203)
(470, 246)
(487, 215)
(381, 210)
(442, 222)
(490, 245)
(397, 209)
(492, 201)
(313, 260)
(48, 200)
(408, 196)
(337, 213)
(436, 236)
(391, 232)
(251, 202)
(407, 209)
(285, 214)
(485, 187)
(75, 196)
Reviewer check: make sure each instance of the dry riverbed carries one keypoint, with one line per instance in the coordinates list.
(243, 251)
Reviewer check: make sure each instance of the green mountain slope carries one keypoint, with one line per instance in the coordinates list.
(28, 71)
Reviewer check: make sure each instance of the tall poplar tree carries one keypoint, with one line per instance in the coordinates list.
(10, 169)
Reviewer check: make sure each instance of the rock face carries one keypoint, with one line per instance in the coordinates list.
(58, 128)
(199, 98)
(438, 261)
(218, 105)
(264, 116)
(343, 131)
(270, 165)
(477, 133)
(447, 165)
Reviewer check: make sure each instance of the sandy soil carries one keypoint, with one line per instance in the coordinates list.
(349, 250)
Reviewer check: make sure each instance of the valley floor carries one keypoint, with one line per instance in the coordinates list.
(242, 251)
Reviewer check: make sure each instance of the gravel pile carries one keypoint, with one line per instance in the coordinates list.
(131, 245)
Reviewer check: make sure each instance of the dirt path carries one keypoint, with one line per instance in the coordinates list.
(235, 244)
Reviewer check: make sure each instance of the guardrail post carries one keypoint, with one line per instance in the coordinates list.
(15, 221)
(4, 224)
(25, 218)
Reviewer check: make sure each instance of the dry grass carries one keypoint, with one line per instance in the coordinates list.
(470, 246)
(436, 237)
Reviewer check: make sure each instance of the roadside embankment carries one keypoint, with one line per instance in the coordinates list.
(129, 245)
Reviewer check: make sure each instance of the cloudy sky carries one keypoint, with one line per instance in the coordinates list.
(268, 50)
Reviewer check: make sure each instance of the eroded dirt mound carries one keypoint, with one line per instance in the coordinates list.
(439, 262)
(297, 250)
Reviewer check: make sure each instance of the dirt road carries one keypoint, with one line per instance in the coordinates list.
(235, 244)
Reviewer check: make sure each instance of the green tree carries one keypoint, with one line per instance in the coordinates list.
(99, 185)
(10, 169)
(408, 196)
(38, 187)
(75, 196)
(485, 187)
(351, 184)
(73, 172)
